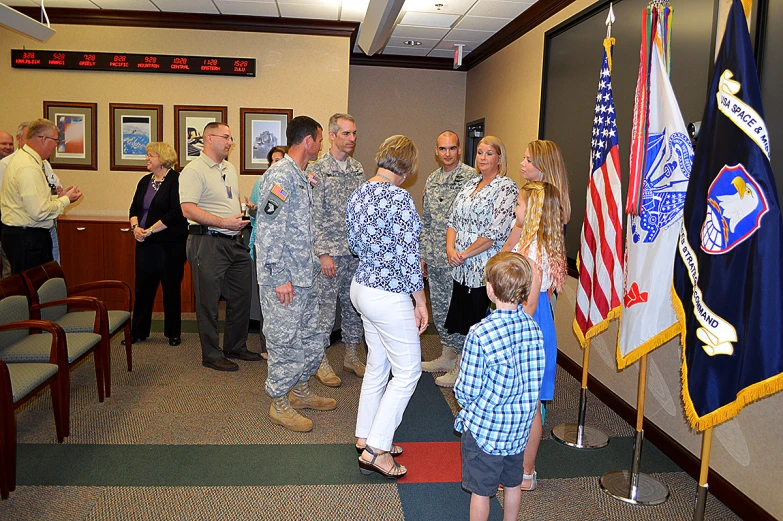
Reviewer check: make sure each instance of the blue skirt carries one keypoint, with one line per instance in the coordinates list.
(546, 322)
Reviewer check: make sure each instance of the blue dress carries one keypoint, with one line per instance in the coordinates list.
(546, 321)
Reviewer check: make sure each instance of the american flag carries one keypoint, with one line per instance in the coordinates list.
(600, 264)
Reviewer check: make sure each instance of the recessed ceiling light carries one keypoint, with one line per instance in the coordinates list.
(412, 43)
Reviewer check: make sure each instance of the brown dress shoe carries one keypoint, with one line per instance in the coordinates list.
(247, 356)
(221, 365)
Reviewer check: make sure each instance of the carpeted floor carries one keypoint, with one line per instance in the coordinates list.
(178, 441)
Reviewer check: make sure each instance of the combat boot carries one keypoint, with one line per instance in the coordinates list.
(445, 362)
(450, 378)
(302, 397)
(326, 375)
(351, 363)
(281, 413)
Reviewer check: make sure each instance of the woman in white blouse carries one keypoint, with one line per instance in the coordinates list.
(481, 220)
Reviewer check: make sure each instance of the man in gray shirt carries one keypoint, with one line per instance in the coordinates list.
(287, 269)
(340, 176)
(219, 260)
(441, 189)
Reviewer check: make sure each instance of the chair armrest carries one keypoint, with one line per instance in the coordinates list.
(103, 284)
(58, 354)
(83, 303)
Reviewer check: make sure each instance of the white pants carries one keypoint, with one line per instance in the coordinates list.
(392, 345)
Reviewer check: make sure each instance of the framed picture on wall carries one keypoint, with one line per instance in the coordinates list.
(261, 130)
(189, 123)
(77, 148)
(131, 128)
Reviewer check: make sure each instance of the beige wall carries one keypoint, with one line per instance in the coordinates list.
(306, 73)
(506, 90)
(417, 103)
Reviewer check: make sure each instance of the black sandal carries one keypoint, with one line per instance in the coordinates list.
(395, 451)
(368, 468)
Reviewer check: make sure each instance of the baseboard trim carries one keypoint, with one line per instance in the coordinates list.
(720, 487)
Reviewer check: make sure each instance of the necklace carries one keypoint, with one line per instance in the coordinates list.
(383, 176)
(156, 184)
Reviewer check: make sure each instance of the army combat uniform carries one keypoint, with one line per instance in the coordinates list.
(285, 254)
(330, 197)
(439, 193)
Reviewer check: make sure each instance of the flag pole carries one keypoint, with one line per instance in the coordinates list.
(578, 435)
(701, 493)
(636, 487)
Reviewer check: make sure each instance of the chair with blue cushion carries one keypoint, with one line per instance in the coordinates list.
(22, 381)
(48, 289)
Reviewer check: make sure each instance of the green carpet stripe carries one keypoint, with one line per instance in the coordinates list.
(270, 465)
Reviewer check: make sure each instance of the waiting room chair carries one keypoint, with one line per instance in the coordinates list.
(46, 285)
(23, 380)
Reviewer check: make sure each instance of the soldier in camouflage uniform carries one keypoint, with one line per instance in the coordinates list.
(287, 271)
(442, 187)
(340, 176)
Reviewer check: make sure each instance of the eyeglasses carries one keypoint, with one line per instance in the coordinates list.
(55, 139)
(224, 136)
(152, 156)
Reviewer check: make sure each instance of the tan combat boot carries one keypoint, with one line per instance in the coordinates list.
(445, 362)
(450, 378)
(351, 363)
(302, 397)
(282, 414)
(326, 375)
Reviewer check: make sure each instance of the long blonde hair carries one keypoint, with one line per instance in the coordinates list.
(546, 157)
(500, 149)
(543, 223)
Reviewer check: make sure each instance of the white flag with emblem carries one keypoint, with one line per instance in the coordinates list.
(648, 319)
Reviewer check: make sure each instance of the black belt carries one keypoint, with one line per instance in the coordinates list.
(198, 229)
(27, 229)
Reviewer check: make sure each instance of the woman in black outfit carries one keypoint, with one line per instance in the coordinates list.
(161, 232)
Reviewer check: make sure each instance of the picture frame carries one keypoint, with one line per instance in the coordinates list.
(77, 148)
(189, 123)
(131, 127)
(260, 130)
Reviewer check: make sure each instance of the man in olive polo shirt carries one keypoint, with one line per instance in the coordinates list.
(219, 260)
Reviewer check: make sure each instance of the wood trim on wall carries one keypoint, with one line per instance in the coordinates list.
(407, 62)
(720, 487)
(207, 22)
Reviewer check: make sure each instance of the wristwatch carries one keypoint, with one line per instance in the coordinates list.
(133, 228)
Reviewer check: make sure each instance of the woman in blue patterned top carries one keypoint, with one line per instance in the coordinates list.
(481, 220)
(383, 230)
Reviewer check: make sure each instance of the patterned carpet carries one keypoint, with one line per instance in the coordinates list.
(178, 441)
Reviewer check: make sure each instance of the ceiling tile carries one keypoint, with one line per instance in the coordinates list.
(130, 5)
(348, 14)
(428, 19)
(441, 53)
(496, 9)
(406, 51)
(463, 35)
(395, 41)
(407, 31)
(321, 12)
(482, 23)
(187, 6)
(18, 3)
(247, 8)
(449, 44)
(81, 4)
(459, 7)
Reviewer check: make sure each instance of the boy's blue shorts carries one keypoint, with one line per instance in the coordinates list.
(482, 472)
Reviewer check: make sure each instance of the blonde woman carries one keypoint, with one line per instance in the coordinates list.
(481, 220)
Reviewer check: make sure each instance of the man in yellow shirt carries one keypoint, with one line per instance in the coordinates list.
(29, 204)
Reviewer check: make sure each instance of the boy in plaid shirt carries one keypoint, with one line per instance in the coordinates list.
(498, 386)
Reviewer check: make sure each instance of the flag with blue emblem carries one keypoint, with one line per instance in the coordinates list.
(660, 167)
(728, 274)
(600, 264)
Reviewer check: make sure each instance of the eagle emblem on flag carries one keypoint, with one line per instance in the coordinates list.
(735, 206)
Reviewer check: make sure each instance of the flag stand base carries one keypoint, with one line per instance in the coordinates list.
(633, 486)
(577, 435)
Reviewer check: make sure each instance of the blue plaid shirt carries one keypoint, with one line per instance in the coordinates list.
(499, 381)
